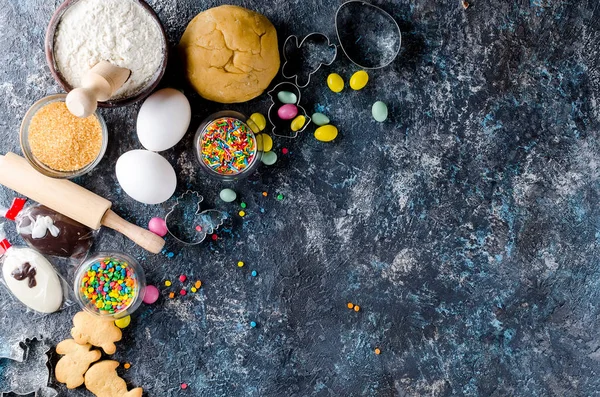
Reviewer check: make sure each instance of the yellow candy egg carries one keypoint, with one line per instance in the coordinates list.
(123, 322)
(259, 120)
(259, 142)
(335, 82)
(359, 80)
(267, 143)
(298, 123)
(326, 133)
(253, 126)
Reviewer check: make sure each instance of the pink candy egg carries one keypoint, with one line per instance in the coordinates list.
(158, 226)
(287, 112)
(151, 294)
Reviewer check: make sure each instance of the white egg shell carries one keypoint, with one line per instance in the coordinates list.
(146, 176)
(163, 119)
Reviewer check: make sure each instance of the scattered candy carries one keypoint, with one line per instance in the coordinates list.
(253, 324)
(123, 322)
(280, 197)
(242, 213)
(265, 194)
(350, 305)
(167, 283)
(269, 158)
(287, 97)
(287, 112)
(380, 111)
(326, 133)
(285, 151)
(214, 237)
(254, 273)
(158, 226)
(320, 119)
(335, 82)
(109, 286)
(170, 255)
(259, 120)
(184, 386)
(240, 264)
(172, 295)
(151, 294)
(227, 146)
(243, 205)
(359, 80)
(356, 308)
(182, 278)
(298, 123)
(126, 365)
(198, 284)
(227, 195)
(377, 351)
(182, 292)
(194, 289)
(267, 143)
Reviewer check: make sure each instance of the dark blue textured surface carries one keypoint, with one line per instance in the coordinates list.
(466, 226)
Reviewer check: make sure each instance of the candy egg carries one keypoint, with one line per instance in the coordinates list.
(320, 119)
(253, 126)
(227, 195)
(158, 226)
(163, 119)
(359, 80)
(287, 112)
(380, 111)
(151, 294)
(335, 82)
(146, 176)
(259, 120)
(287, 97)
(326, 133)
(269, 158)
(298, 123)
(267, 143)
(123, 322)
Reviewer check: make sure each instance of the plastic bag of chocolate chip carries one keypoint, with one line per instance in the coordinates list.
(49, 232)
(32, 279)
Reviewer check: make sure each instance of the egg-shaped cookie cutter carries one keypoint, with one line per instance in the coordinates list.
(274, 119)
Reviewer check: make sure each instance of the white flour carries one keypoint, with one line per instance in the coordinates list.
(118, 31)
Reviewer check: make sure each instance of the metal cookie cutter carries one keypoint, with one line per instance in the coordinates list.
(282, 128)
(29, 373)
(188, 224)
(363, 44)
(310, 54)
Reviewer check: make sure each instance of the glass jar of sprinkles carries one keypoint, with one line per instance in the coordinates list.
(110, 284)
(226, 147)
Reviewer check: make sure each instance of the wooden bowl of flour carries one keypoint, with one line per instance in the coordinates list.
(127, 33)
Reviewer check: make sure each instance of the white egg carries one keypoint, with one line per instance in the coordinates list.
(146, 176)
(163, 119)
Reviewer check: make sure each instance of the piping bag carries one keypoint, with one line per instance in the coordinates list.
(71, 200)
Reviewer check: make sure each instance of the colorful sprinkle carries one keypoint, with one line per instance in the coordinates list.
(285, 151)
(350, 305)
(182, 278)
(240, 264)
(182, 292)
(254, 273)
(127, 365)
(253, 324)
(265, 194)
(167, 283)
(377, 351)
(198, 284)
(280, 197)
(356, 308)
(242, 213)
(214, 237)
(171, 295)
(227, 146)
(193, 289)
(184, 386)
(109, 286)
(243, 205)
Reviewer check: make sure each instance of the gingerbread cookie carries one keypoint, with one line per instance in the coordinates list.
(77, 359)
(102, 380)
(96, 331)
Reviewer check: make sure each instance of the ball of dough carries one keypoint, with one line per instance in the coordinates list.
(230, 54)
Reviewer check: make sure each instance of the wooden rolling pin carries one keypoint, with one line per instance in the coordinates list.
(98, 85)
(71, 200)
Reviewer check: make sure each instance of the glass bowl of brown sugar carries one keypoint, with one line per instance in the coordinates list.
(59, 144)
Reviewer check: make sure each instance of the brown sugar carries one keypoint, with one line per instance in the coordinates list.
(62, 141)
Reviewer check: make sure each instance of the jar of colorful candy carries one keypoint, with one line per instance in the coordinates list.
(226, 147)
(110, 284)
